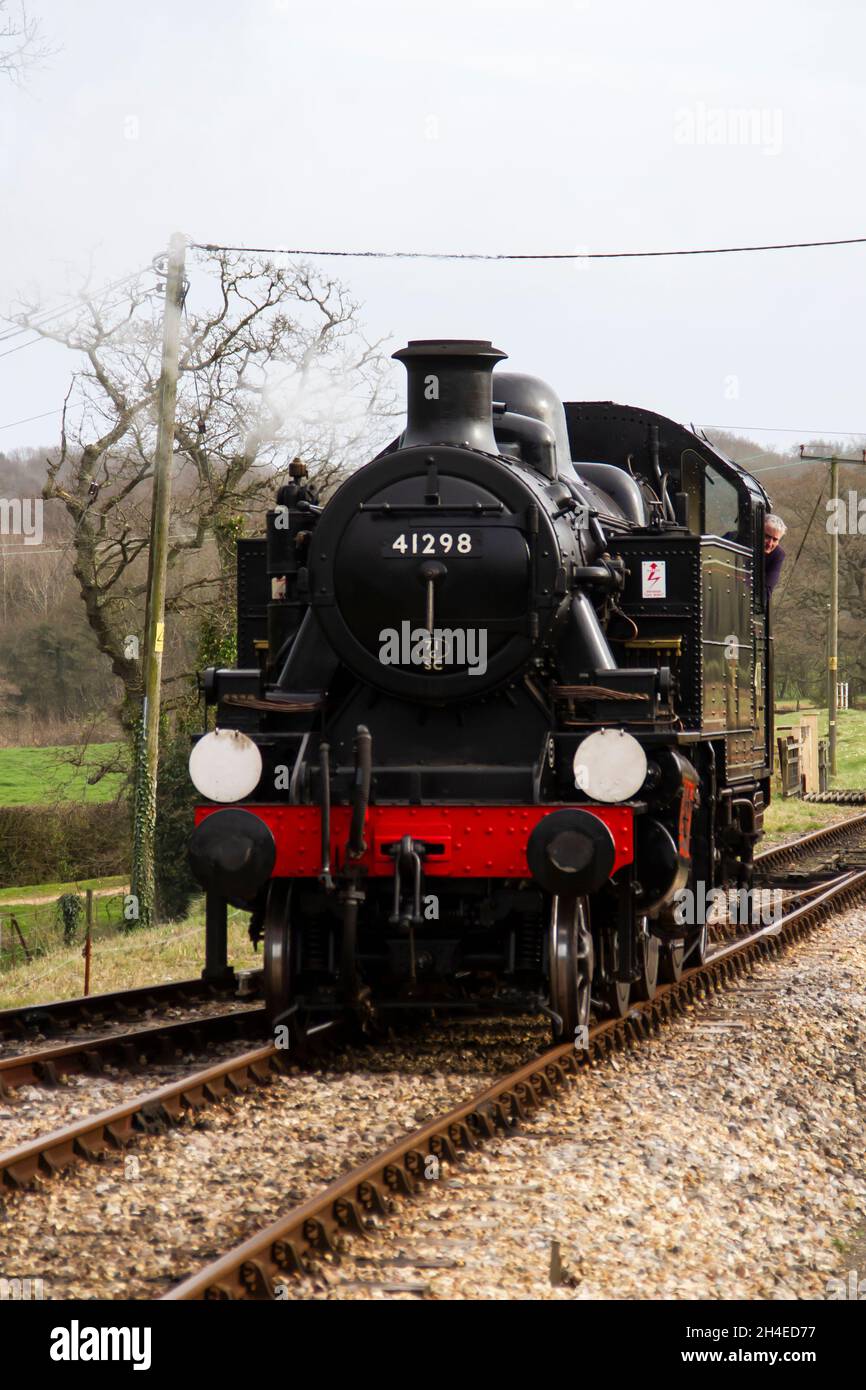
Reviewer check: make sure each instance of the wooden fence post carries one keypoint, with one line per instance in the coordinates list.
(17, 929)
(88, 941)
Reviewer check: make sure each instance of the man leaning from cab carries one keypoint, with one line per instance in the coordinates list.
(774, 555)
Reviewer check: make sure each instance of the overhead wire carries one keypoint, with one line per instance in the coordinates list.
(28, 419)
(790, 429)
(526, 255)
(41, 321)
(47, 316)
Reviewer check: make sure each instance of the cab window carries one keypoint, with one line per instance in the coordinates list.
(721, 505)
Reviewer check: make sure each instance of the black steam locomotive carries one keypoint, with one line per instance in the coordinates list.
(497, 703)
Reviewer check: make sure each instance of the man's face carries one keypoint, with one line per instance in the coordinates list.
(771, 539)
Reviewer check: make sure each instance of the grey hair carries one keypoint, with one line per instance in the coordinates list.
(776, 521)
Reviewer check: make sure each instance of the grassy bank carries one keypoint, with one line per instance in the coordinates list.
(125, 961)
(787, 819)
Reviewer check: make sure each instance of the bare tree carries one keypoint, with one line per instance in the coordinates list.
(22, 44)
(274, 365)
(36, 582)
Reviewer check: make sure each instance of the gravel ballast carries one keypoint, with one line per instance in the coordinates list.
(723, 1159)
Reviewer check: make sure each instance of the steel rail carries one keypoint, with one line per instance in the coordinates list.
(150, 1112)
(25, 1019)
(130, 1050)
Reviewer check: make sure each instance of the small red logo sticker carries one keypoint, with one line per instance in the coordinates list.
(653, 579)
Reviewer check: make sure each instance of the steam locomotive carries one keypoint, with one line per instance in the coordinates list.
(498, 702)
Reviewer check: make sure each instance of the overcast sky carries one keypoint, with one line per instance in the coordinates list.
(474, 125)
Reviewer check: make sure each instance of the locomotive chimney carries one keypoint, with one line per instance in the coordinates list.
(450, 392)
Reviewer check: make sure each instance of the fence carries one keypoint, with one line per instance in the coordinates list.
(31, 930)
(804, 757)
(789, 765)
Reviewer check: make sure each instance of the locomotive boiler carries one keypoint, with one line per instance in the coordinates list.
(499, 702)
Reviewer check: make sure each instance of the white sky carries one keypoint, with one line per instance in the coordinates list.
(474, 125)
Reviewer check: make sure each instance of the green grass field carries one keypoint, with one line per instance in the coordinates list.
(44, 776)
(10, 896)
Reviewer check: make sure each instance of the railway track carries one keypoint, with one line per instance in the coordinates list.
(843, 796)
(317, 1229)
(65, 1015)
(130, 1050)
(147, 1113)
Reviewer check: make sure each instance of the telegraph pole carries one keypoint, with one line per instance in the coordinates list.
(833, 652)
(147, 758)
(833, 630)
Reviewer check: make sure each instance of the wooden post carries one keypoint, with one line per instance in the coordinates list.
(833, 623)
(833, 654)
(88, 941)
(809, 750)
(20, 935)
(146, 764)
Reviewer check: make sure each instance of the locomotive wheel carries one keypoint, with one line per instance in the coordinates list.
(671, 962)
(278, 967)
(616, 995)
(649, 952)
(571, 963)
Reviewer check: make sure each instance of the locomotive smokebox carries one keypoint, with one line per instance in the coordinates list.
(450, 392)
